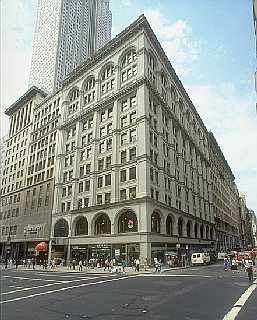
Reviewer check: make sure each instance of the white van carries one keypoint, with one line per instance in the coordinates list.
(200, 258)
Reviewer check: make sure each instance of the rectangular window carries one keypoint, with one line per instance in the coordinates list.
(132, 117)
(132, 173)
(123, 156)
(123, 121)
(102, 132)
(123, 194)
(133, 102)
(99, 199)
(81, 171)
(88, 168)
(123, 138)
(87, 185)
(123, 176)
(109, 144)
(100, 164)
(101, 147)
(108, 180)
(107, 197)
(132, 135)
(80, 187)
(108, 162)
(132, 153)
(132, 193)
(99, 182)
(124, 105)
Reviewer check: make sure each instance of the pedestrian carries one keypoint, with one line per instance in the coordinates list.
(156, 264)
(159, 265)
(80, 265)
(137, 264)
(233, 265)
(74, 264)
(145, 264)
(33, 263)
(123, 264)
(16, 263)
(226, 264)
(249, 269)
(29, 263)
(106, 265)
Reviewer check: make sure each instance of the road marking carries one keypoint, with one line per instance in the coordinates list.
(232, 314)
(23, 278)
(68, 288)
(175, 275)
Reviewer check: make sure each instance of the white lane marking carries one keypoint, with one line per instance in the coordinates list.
(46, 285)
(232, 314)
(175, 275)
(31, 279)
(68, 288)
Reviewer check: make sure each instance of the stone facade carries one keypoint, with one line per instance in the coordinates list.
(225, 200)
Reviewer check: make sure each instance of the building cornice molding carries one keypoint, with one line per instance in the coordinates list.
(25, 98)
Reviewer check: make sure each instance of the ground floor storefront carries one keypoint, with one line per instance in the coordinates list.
(144, 247)
(22, 250)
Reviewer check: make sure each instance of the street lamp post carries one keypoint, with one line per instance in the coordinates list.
(25, 244)
(8, 242)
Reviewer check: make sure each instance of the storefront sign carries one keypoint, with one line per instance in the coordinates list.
(117, 252)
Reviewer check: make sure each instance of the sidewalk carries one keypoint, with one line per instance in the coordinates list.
(128, 270)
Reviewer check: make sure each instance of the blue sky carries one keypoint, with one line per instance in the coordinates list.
(211, 45)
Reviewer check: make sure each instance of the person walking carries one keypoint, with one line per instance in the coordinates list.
(249, 269)
(80, 265)
(73, 264)
(33, 263)
(137, 264)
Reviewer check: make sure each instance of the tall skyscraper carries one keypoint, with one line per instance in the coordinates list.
(67, 33)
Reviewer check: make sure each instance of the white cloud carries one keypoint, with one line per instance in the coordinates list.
(176, 39)
(231, 117)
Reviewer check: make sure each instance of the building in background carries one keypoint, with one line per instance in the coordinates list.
(225, 199)
(26, 207)
(255, 28)
(254, 228)
(67, 33)
(3, 145)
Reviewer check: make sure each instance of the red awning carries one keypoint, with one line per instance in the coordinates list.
(41, 247)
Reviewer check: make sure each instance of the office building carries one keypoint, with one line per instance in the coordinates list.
(67, 33)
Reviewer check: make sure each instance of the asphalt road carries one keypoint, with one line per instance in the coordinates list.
(200, 293)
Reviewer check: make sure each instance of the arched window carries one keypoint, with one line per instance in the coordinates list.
(180, 227)
(188, 229)
(156, 222)
(201, 232)
(81, 227)
(74, 100)
(61, 228)
(103, 224)
(169, 225)
(151, 68)
(107, 78)
(127, 222)
(196, 230)
(89, 90)
(128, 65)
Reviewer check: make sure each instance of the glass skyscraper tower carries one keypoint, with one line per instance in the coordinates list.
(67, 33)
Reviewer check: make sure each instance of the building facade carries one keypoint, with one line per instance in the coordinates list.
(132, 168)
(116, 163)
(25, 203)
(225, 200)
(67, 33)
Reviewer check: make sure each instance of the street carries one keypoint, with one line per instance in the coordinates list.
(207, 293)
